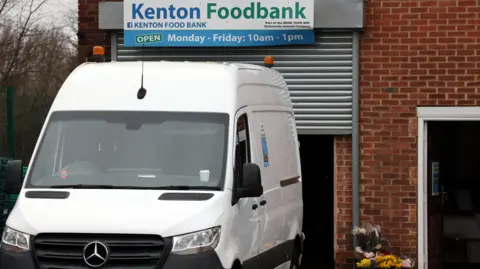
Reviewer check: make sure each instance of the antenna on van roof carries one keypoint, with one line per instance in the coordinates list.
(142, 91)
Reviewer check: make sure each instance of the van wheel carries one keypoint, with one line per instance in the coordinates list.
(295, 261)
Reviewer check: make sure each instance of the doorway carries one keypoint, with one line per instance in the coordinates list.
(317, 155)
(453, 194)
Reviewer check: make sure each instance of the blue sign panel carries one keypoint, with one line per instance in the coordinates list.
(231, 23)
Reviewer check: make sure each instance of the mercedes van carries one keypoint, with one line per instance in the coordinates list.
(174, 165)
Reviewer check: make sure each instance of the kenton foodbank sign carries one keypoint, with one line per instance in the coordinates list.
(229, 23)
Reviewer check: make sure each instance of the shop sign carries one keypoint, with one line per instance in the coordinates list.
(213, 23)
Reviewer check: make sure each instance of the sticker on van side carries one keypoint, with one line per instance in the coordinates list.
(263, 138)
(241, 130)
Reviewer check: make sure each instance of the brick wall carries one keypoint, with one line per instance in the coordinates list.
(343, 199)
(413, 53)
(88, 33)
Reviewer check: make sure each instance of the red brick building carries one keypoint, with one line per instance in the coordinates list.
(412, 53)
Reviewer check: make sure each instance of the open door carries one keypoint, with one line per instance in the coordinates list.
(435, 195)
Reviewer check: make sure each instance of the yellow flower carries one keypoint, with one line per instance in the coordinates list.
(365, 263)
(388, 261)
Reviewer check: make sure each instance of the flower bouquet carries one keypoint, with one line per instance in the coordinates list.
(373, 250)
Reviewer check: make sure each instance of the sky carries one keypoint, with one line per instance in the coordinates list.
(54, 11)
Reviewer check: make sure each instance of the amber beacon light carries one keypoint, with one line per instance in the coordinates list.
(268, 61)
(98, 54)
(98, 51)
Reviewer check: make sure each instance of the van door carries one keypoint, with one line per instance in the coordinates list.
(246, 218)
(267, 134)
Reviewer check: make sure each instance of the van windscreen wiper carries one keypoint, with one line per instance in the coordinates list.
(186, 187)
(83, 186)
(170, 187)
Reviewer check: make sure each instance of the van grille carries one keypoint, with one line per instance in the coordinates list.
(65, 251)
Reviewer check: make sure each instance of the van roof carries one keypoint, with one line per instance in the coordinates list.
(177, 65)
(171, 86)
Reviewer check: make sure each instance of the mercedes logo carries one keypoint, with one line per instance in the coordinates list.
(95, 254)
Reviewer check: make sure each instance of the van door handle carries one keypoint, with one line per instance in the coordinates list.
(263, 202)
(254, 206)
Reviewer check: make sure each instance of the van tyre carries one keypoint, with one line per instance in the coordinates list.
(295, 261)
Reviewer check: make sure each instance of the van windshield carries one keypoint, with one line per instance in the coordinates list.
(163, 150)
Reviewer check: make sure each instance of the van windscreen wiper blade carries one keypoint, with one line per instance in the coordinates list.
(186, 187)
(170, 187)
(83, 186)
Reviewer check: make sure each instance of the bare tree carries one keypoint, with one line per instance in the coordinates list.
(35, 59)
(5, 7)
(71, 26)
(25, 24)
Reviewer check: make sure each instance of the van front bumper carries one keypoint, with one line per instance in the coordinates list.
(14, 260)
(24, 260)
(208, 260)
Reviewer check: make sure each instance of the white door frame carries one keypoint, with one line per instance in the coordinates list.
(425, 115)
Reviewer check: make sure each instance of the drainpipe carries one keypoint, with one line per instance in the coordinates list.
(355, 132)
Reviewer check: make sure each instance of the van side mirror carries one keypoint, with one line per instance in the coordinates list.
(13, 177)
(252, 182)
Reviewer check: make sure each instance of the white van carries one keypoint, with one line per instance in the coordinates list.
(197, 168)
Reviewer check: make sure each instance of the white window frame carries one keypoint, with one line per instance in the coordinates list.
(425, 115)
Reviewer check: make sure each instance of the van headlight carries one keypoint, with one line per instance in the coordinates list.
(14, 240)
(201, 241)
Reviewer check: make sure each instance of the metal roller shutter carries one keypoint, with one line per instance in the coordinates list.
(319, 76)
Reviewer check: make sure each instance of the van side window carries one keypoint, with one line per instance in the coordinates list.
(242, 149)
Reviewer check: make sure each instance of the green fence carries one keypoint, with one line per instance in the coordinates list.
(6, 201)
